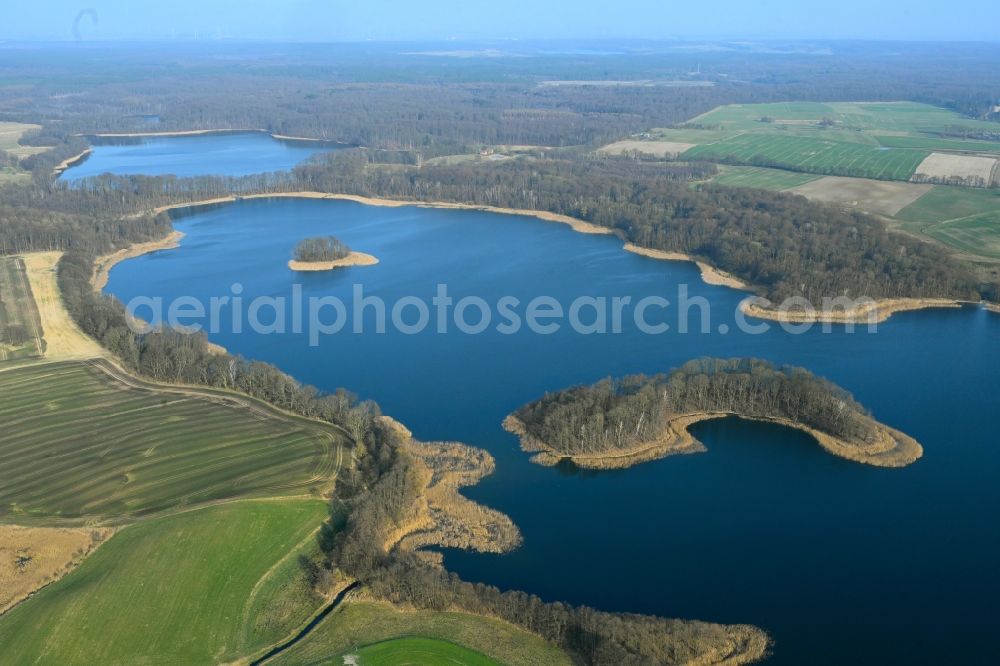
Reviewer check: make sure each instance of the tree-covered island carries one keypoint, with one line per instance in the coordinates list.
(621, 422)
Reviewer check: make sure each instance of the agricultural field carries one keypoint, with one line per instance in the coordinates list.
(418, 652)
(10, 135)
(812, 155)
(21, 334)
(761, 177)
(357, 624)
(180, 585)
(963, 218)
(882, 197)
(80, 445)
(885, 141)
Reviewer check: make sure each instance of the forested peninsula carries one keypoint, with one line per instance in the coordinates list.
(618, 423)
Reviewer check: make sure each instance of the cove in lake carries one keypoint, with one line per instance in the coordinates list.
(841, 562)
(224, 154)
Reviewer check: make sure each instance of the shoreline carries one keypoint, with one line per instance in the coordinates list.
(104, 263)
(353, 259)
(577, 225)
(70, 162)
(874, 312)
(893, 448)
(709, 274)
(201, 132)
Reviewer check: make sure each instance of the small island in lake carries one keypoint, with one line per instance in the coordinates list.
(618, 423)
(327, 253)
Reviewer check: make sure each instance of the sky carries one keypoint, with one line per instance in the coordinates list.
(436, 20)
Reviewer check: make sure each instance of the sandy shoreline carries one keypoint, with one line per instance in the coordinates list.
(875, 312)
(70, 161)
(577, 225)
(709, 274)
(353, 259)
(104, 264)
(892, 448)
(201, 132)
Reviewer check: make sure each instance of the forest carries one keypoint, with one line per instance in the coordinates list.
(326, 248)
(622, 414)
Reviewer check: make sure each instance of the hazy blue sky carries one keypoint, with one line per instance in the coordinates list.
(478, 19)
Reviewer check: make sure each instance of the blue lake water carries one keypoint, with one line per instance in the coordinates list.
(841, 562)
(227, 154)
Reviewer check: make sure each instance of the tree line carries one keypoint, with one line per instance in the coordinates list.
(317, 249)
(622, 414)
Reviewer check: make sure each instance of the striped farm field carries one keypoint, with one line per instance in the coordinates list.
(176, 589)
(82, 444)
(20, 325)
(812, 155)
(977, 234)
(761, 178)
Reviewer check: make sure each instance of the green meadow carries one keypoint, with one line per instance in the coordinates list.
(193, 585)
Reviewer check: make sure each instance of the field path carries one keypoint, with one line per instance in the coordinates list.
(64, 339)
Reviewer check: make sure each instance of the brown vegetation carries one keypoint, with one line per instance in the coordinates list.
(32, 557)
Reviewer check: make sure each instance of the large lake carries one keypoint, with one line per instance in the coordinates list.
(225, 154)
(841, 562)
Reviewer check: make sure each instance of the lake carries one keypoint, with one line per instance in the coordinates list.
(229, 154)
(841, 562)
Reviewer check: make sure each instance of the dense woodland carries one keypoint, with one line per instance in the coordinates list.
(387, 96)
(621, 414)
(320, 249)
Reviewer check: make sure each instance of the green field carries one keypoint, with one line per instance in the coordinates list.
(965, 219)
(762, 178)
(419, 652)
(884, 140)
(20, 327)
(935, 143)
(948, 203)
(879, 118)
(812, 155)
(355, 625)
(78, 445)
(172, 590)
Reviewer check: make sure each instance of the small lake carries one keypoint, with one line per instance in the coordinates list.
(223, 154)
(841, 562)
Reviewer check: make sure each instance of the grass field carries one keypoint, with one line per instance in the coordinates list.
(977, 234)
(936, 143)
(761, 177)
(419, 652)
(78, 445)
(885, 141)
(811, 155)
(10, 134)
(21, 334)
(357, 624)
(878, 118)
(170, 590)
